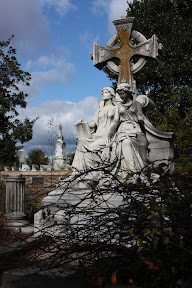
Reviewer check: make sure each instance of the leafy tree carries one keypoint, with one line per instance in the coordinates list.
(70, 157)
(169, 81)
(12, 130)
(37, 156)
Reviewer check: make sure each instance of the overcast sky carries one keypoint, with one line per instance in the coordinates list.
(53, 39)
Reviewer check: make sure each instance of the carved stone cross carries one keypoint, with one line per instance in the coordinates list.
(103, 56)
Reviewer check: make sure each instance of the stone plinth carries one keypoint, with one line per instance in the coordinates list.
(15, 187)
(53, 218)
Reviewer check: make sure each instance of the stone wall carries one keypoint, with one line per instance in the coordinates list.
(43, 177)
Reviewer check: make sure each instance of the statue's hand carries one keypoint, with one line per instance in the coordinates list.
(92, 125)
(108, 142)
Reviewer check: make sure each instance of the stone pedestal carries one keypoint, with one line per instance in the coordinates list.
(15, 187)
(53, 218)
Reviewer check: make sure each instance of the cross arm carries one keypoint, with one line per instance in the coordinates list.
(101, 55)
(150, 48)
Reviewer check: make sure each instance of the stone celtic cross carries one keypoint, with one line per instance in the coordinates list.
(123, 46)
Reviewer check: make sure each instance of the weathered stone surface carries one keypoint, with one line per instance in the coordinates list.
(127, 48)
(54, 207)
(82, 129)
(15, 187)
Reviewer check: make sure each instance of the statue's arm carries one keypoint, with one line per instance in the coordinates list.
(114, 124)
(139, 116)
(139, 111)
(93, 124)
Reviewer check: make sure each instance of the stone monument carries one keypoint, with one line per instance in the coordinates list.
(120, 140)
(126, 131)
(60, 159)
(22, 154)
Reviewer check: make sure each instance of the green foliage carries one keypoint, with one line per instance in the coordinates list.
(169, 81)
(37, 156)
(33, 195)
(12, 130)
(70, 157)
(2, 197)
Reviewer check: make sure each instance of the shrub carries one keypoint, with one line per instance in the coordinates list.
(33, 196)
(2, 198)
(146, 241)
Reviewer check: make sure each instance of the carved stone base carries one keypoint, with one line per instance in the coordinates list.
(15, 221)
(54, 217)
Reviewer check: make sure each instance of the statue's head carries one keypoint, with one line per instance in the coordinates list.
(110, 90)
(107, 93)
(125, 91)
(125, 87)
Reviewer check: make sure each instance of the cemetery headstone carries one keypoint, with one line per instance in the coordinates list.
(34, 167)
(49, 167)
(7, 168)
(25, 167)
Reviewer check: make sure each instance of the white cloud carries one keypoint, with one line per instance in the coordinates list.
(25, 19)
(117, 9)
(61, 6)
(50, 70)
(53, 76)
(65, 112)
(113, 8)
(100, 6)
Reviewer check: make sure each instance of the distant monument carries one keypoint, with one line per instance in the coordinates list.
(60, 158)
(22, 154)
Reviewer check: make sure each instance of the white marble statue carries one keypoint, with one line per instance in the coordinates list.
(92, 151)
(118, 139)
(129, 143)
